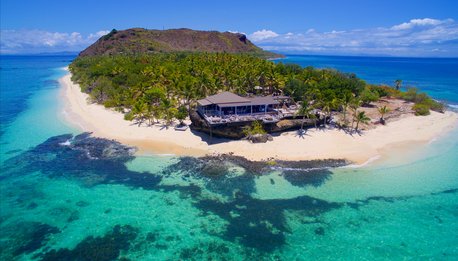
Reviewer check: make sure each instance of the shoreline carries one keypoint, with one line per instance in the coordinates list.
(361, 150)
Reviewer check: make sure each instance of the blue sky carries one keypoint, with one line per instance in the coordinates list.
(352, 27)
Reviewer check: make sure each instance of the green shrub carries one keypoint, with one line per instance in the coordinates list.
(380, 90)
(109, 35)
(410, 95)
(271, 163)
(437, 106)
(255, 128)
(182, 113)
(109, 104)
(367, 96)
(129, 116)
(421, 109)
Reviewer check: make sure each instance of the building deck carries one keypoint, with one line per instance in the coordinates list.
(269, 117)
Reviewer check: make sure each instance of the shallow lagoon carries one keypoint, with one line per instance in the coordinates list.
(58, 201)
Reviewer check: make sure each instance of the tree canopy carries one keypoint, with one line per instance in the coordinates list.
(159, 86)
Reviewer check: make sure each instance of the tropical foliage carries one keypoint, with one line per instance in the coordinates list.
(149, 87)
(306, 111)
(360, 117)
(383, 110)
(423, 103)
(155, 86)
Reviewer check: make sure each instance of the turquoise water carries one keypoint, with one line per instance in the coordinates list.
(70, 202)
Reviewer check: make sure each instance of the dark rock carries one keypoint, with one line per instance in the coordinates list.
(213, 169)
(107, 247)
(73, 216)
(161, 246)
(151, 236)
(319, 231)
(35, 236)
(32, 205)
(82, 203)
(259, 138)
(261, 224)
(93, 161)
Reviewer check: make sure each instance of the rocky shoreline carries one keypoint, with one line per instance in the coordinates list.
(100, 149)
(209, 165)
(264, 166)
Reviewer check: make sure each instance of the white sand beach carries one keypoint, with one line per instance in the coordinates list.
(316, 144)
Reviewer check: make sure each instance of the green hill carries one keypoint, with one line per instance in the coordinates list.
(138, 40)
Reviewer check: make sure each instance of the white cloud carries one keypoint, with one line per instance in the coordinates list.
(236, 32)
(36, 41)
(263, 35)
(420, 22)
(418, 37)
(98, 35)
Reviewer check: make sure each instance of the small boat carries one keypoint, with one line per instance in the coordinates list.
(181, 127)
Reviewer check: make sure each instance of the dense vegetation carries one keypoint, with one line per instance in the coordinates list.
(165, 86)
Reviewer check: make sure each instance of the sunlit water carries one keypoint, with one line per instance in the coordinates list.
(59, 204)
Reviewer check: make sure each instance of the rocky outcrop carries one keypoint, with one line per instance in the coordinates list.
(219, 164)
(290, 124)
(260, 138)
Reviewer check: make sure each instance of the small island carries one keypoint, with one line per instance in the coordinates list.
(145, 87)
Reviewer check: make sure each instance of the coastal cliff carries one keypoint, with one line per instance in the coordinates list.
(140, 41)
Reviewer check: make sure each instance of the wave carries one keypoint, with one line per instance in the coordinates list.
(299, 169)
(65, 143)
(367, 162)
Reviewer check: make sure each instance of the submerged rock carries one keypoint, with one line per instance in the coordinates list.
(24, 238)
(99, 148)
(107, 247)
(91, 160)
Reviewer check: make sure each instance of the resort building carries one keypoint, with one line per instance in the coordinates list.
(227, 107)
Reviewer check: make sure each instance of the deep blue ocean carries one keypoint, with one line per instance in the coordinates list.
(56, 203)
(436, 76)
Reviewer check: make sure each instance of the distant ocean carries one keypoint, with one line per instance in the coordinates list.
(56, 203)
(436, 76)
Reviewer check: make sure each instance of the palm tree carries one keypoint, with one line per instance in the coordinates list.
(306, 111)
(345, 103)
(169, 111)
(140, 90)
(328, 106)
(354, 105)
(383, 110)
(140, 111)
(361, 117)
(398, 83)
